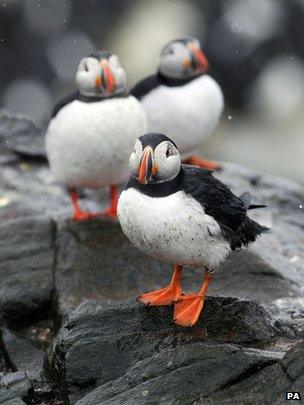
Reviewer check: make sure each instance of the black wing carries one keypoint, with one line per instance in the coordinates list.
(145, 86)
(64, 101)
(219, 202)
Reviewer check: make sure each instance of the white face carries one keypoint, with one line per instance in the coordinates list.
(157, 166)
(182, 59)
(100, 77)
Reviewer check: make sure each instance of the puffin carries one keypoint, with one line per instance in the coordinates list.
(183, 215)
(181, 99)
(91, 131)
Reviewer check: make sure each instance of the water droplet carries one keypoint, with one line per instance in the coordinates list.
(293, 259)
(4, 201)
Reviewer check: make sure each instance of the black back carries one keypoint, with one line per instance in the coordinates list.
(151, 82)
(85, 99)
(215, 197)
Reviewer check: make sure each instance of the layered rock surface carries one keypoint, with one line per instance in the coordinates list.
(72, 331)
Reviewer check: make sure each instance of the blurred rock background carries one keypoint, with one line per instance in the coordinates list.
(255, 48)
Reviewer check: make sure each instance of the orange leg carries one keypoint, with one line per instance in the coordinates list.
(198, 161)
(188, 308)
(167, 295)
(112, 210)
(79, 214)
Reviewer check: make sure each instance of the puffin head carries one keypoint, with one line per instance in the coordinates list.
(100, 75)
(183, 58)
(155, 159)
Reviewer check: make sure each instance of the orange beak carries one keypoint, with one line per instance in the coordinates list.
(146, 166)
(106, 79)
(108, 76)
(201, 62)
(98, 82)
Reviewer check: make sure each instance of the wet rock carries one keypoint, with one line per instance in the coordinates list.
(5, 364)
(103, 339)
(181, 375)
(268, 385)
(26, 388)
(25, 269)
(21, 136)
(15, 401)
(22, 354)
(13, 387)
(95, 259)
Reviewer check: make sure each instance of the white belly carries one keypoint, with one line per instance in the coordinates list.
(88, 144)
(187, 114)
(173, 228)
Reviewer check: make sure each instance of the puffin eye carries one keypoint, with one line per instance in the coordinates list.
(167, 153)
(86, 67)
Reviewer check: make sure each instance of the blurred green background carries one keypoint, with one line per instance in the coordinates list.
(255, 48)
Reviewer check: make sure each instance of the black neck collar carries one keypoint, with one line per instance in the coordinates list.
(158, 189)
(173, 82)
(90, 99)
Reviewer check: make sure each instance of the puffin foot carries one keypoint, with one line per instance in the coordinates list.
(165, 296)
(82, 216)
(187, 310)
(110, 212)
(204, 163)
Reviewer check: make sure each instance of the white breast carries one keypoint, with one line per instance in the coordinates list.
(88, 144)
(173, 228)
(188, 114)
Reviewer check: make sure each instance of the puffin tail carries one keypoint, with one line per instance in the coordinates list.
(246, 198)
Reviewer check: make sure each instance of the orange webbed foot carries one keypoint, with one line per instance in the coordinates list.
(204, 163)
(110, 212)
(81, 216)
(165, 296)
(187, 310)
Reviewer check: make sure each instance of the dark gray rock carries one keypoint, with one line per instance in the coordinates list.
(22, 354)
(21, 136)
(25, 269)
(26, 388)
(102, 340)
(15, 401)
(13, 387)
(267, 386)
(181, 375)
(94, 259)
(5, 365)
